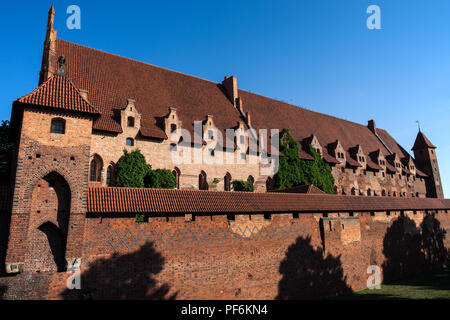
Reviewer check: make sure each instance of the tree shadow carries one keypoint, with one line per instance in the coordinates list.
(307, 274)
(410, 250)
(432, 241)
(127, 276)
(2, 291)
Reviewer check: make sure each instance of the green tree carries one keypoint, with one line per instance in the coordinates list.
(131, 169)
(6, 151)
(294, 171)
(240, 185)
(160, 178)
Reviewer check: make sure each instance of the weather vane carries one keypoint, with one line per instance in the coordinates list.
(418, 124)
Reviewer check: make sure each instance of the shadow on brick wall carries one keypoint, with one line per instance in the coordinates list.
(409, 249)
(4, 234)
(127, 276)
(2, 291)
(307, 274)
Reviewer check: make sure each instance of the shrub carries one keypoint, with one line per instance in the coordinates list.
(160, 178)
(294, 171)
(131, 169)
(140, 218)
(240, 185)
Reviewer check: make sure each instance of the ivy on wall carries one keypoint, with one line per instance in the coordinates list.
(294, 171)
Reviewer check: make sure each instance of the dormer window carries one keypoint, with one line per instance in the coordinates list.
(58, 126)
(130, 142)
(173, 128)
(130, 121)
(361, 159)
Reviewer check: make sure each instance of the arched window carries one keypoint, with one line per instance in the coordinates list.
(269, 184)
(251, 179)
(227, 182)
(110, 175)
(58, 126)
(353, 191)
(369, 192)
(177, 173)
(130, 142)
(96, 169)
(131, 121)
(202, 181)
(383, 193)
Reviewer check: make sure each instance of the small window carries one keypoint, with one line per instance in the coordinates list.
(58, 126)
(173, 147)
(242, 139)
(173, 128)
(210, 134)
(130, 142)
(131, 121)
(243, 156)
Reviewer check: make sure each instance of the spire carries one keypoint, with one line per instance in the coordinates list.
(422, 142)
(47, 67)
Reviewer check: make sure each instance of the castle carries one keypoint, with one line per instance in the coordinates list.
(90, 105)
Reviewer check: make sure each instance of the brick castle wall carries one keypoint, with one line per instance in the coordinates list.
(220, 257)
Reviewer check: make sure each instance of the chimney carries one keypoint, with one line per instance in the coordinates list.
(249, 122)
(230, 86)
(371, 125)
(47, 67)
(84, 94)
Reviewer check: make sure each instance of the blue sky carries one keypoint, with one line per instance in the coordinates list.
(317, 54)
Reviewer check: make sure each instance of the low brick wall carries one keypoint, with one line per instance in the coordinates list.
(247, 256)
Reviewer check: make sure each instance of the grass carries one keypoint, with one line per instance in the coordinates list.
(424, 286)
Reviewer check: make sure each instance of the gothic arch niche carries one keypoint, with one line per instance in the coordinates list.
(95, 169)
(227, 182)
(49, 223)
(177, 173)
(202, 181)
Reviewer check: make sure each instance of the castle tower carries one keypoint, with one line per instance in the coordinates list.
(426, 160)
(49, 54)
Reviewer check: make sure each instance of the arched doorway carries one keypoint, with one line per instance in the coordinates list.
(227, 182)
(202, 181)
(49, 223)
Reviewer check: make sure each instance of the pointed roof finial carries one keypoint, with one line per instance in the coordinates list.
(52, 9)
(418, 125)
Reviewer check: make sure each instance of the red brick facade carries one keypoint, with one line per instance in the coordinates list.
(226, 245)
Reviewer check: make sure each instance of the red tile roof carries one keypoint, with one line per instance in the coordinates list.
(422, 142)
(173, 201)
(111, 80)
(58, 92)
(307, 188)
